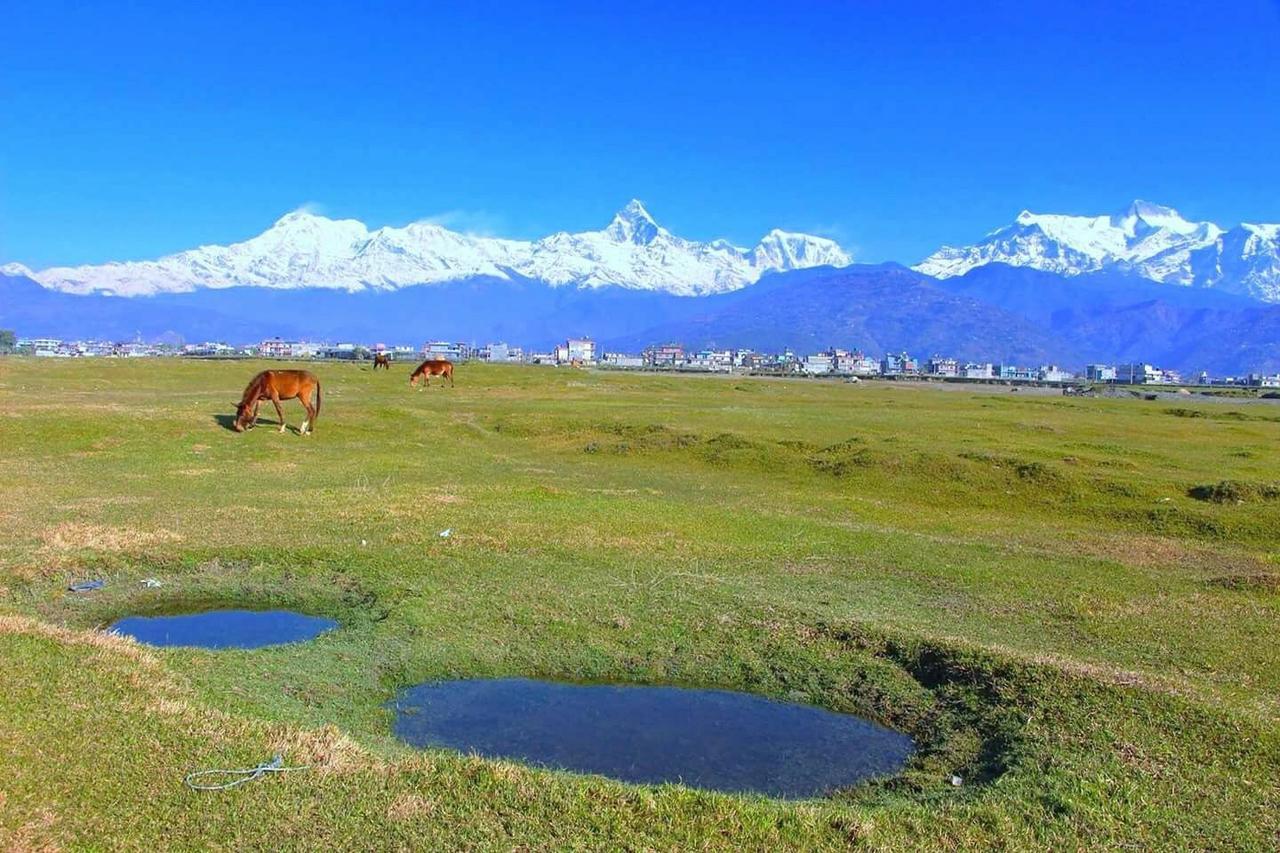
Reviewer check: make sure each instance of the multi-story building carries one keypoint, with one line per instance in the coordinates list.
(945, 367)
(447, 350)
(898, 365)
(582, 350)
(977, 370)
(665, 355)
(720, 361)
(1053, 373)
(1140, 373)
(1100, 373)
(816, 365)
(621, 359)
(275, 348)
(1015, 373)
(342, 351)
(860, 365)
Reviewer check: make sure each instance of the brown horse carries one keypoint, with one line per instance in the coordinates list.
(432, 367)
(382, 360)
(277, 385)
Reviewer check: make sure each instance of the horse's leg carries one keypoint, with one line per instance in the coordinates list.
(450, 378)
(304, 397)
(275, 399)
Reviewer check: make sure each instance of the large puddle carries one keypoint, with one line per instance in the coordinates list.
(224, 629)
(714, 739)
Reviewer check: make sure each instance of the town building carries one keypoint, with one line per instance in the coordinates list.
(446, 350)
(719, 361)
(944, 367)
(664, 355)
(816, 365)
(621, 359)
(898, 365)
(1141, 373)
(1053, 373)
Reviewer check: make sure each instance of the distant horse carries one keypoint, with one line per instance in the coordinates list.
(277, 385)
(381, 360)
(432, 367)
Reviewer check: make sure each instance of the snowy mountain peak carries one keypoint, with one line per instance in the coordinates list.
(633, 224)
(1147, 239)
(304, 249)
(1144, 217)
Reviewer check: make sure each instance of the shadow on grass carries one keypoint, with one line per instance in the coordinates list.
(228, 422)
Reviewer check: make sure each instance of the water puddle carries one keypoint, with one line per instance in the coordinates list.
(714, 739)
(224, 629)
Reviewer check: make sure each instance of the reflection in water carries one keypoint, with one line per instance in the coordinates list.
(224, 629)
(712, 739)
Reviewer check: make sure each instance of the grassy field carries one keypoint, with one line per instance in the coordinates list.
(1074, 604)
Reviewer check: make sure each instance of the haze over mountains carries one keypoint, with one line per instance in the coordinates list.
(1141, 284)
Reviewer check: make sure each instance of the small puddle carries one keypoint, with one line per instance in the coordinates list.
(714, 739)
(224, 629)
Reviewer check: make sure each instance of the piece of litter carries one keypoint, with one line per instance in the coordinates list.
(364, 542)
(238, 777)
(446, 533)
(957, 781)
(86, 586)
(151, 583)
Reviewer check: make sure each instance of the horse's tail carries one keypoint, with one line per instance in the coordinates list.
(316, 417)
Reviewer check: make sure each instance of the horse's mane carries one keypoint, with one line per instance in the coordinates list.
(254, 388)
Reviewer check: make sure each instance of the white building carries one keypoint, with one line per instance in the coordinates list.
(975, 370)
(860, 365)
(1053, 373)
(446, 350)
(621, 359)
(815, 365)
(580, 350)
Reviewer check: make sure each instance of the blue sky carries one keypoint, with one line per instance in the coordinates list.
(130, 130)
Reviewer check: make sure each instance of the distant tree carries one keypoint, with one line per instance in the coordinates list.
(8, 340)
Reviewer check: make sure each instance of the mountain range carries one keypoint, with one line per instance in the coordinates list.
(305, 250)
(1145, 239)
(1142, 284)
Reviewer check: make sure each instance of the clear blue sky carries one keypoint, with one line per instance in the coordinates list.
(128, 130)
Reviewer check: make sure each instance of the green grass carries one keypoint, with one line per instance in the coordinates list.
(1071, 603)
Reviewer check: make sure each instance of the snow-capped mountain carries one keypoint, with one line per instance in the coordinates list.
(1152, 241)
(305, 250)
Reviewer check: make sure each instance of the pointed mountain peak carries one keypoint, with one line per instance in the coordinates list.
(1141, 217)
(634, 211)
(1146, 209)
(633, 224)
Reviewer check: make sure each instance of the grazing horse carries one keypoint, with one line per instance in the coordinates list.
(277, 385)
(432, 367)
(381, 360)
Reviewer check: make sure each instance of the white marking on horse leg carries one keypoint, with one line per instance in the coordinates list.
(305, 426)
(282, 427)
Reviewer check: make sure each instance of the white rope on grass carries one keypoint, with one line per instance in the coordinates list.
(275, 765)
